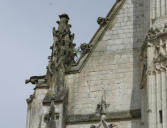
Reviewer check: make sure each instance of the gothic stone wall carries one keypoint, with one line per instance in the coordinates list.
(113, 68)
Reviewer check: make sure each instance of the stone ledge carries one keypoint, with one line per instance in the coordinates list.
(113, 116)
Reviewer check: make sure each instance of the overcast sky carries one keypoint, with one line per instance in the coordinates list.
(25, 38)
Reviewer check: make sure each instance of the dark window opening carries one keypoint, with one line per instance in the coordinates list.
(160, 116)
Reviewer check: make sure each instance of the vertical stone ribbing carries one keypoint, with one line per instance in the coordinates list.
(162, 7)
(164, 111)
(153, 9)
(166, 7)
(154, 100)
(166, 94)
(143, 110)
(158, 88)
(28, 117)
(149, 100)
(158, 8)
(149, 88)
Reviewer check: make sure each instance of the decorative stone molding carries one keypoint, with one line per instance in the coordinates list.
(111, 116)
(152, 35)
(161, 66)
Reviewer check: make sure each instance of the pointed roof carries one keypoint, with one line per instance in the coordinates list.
(104, 24)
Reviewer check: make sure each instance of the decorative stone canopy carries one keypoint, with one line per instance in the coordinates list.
(157, 39)
(154, 52)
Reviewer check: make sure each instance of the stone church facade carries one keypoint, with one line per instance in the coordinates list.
(120, 79)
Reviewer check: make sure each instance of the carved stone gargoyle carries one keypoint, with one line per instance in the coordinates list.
(102, 21)
(85, 48)
(35, 79)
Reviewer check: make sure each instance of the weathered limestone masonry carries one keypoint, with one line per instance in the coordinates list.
(120, 79)
(154, 79)
(112, 68)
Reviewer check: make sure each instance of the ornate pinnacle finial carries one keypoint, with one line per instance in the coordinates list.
(64, 16)
(101, 111)
(63, 47)
(61, 59)
(64, 27)
(101, 108)
(50, 118)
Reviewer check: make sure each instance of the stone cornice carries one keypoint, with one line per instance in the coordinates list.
(112, 116)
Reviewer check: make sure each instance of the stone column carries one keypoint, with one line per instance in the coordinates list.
(164, 106)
